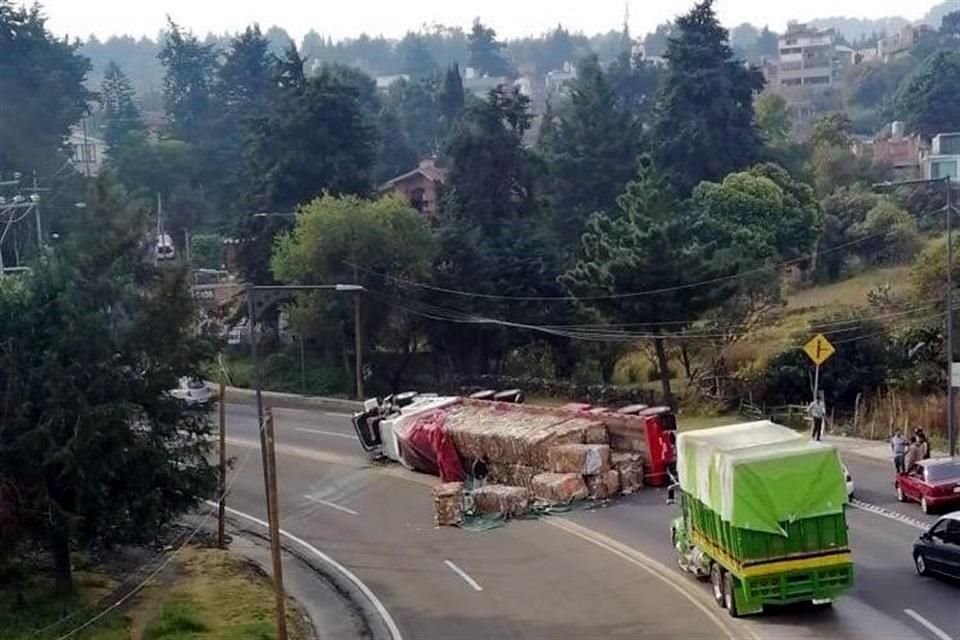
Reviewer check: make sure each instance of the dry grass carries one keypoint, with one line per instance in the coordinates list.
(850, 293)
(884, 413)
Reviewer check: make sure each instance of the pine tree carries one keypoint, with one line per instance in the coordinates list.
(703, 119)
(120, 113)
(486, 52)
(188, 81)
(591, 152)
(451, 95)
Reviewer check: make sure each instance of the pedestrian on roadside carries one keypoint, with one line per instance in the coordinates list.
(924, 443)
(817, 411)
(899, 446)
(912, 456)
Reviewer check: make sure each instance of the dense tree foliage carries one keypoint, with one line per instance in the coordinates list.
(42, 88)
(590, 150)
(486, 52)
(704, 84)
(93, 445)
(927, 99)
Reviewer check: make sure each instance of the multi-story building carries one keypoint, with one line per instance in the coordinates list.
(900, 43)
(810, 57)
(943, 159)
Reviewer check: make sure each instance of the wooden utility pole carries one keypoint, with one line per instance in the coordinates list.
(222, 483)
(274, 517)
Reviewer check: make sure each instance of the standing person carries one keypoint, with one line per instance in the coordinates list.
(913, 455)
(817, 411)
(899, 446)
(924, 443)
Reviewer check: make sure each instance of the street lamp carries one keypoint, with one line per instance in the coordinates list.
(948, 208)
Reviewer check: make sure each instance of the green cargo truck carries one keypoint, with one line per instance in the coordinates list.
(762, 516)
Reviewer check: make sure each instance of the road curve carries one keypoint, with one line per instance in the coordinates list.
(606, 572)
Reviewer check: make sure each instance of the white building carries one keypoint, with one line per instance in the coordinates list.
(810, 57)
(943, 159)
(86, 152)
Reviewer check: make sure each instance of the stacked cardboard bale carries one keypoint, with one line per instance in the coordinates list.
(448, 504)
(629, 468)
(603, 485)
(506, 500)
(559, 488)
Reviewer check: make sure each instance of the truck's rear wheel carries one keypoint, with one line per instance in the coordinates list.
(716, 582)
(729, 597)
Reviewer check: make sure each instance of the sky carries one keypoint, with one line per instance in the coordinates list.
(393, 18)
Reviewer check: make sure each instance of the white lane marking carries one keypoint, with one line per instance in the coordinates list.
(657, 570)
(332, 505)
(463, 574)
(890, 515)
(932, 628)
(321, 432)
(352, 577)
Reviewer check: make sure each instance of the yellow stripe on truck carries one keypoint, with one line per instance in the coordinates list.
(767, 568)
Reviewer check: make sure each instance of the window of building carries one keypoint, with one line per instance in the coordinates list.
(817, 80)
(791, 82)
(943, 168)
(950, 145)
(789, 50)
(791, 66)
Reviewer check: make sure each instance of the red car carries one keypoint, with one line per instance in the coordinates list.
(934, 483)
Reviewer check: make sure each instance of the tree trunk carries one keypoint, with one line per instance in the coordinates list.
(685, 359)
(664, 368)
(60, 546)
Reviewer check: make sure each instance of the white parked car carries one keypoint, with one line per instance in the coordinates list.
(193, 391)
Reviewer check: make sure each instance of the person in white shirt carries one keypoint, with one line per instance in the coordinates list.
(817, 411)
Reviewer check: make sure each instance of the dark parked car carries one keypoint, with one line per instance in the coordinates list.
(938, 549)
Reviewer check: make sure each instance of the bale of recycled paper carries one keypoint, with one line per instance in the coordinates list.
(626, 433)
(585, 459)
(448, 504)
(519, 475)
(629, 466)
(501, 499)
(559, 488)
(604, 485)
(596, 433)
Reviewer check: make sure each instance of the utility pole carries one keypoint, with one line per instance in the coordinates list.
(952, 367)
(255, 360)
(274, 514)
(186, 245)
(357, 339)
(222, 484)
(36, 213)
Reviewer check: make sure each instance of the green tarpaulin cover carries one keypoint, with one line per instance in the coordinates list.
(759, 474)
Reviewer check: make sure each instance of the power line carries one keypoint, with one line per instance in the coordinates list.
(634, 294)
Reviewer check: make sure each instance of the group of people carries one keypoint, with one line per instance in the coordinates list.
(906, 454)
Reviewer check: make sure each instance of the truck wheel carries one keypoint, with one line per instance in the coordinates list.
(716, 582)
(729, 598)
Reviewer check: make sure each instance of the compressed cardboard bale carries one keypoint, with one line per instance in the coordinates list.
(448, 504)
(537, 444)
(559, 488)
(604, 485)
(519, 475)
(503, 499)
(596, 433)
(629, 466)
(585, 459)
(626, 433)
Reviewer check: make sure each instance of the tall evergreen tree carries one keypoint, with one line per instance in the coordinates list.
(451, 95)
(41, 88)
(120, 113)
(189, 70)
(415, 58)
(703, 119)
(591, 154)
(486, 52)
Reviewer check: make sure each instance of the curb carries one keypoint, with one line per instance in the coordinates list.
(240, 395)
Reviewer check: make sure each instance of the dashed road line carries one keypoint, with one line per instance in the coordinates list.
(332, 505)
(348, 436)
(463, 574)
(890, 515)
(929, 626)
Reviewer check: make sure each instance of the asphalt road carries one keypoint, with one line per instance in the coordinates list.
(602, 572)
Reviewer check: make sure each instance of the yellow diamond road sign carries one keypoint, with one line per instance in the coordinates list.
(819, 349)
